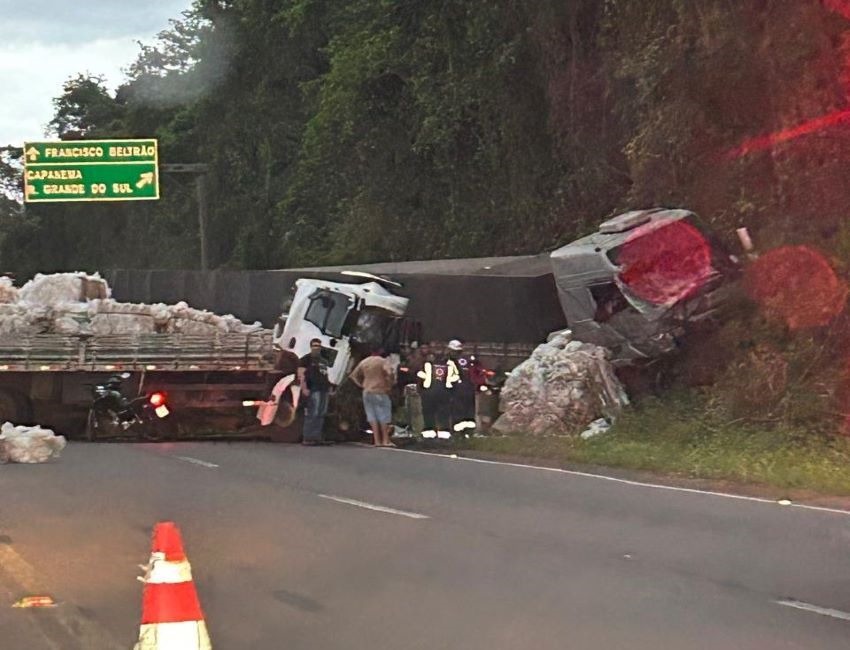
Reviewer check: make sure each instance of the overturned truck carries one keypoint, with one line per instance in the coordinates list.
(636, 286)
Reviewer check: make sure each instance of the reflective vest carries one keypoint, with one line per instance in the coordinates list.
(447, 374)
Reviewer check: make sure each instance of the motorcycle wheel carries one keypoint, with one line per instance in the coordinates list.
(102, 425)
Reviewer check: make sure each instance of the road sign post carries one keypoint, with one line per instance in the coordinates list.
(91, 170)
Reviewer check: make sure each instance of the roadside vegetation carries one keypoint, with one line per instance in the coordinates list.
(674, 437)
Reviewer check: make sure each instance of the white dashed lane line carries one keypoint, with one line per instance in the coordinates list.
(815, 609)
(372, 506)
(195, 461)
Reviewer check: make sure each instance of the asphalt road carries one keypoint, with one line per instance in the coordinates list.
(471, 556)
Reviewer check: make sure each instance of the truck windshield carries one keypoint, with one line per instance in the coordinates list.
(328, 311)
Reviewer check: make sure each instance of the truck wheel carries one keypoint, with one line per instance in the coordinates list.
(91, 426)
(285, 414)
(14, 407)
(288, 424)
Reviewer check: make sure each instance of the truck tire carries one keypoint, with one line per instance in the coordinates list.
(287, 426)
(14, 407)
(285, 414)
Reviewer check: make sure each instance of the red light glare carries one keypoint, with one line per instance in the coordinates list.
(667, 264)
(763, 142)
(796, 285)
(157, 399)
(841, 7)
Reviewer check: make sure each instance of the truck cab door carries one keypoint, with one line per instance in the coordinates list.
(325, 317)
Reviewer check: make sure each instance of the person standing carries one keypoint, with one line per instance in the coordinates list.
(461, 388)
(374, 376)
(416, 361)
(413, 387)
(315, 388)
(478, 376)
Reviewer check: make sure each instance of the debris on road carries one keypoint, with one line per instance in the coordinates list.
(564, 386)
(29, 444)
(29, 602)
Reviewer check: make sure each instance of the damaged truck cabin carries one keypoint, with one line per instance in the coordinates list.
(637, 284)
(347, 318)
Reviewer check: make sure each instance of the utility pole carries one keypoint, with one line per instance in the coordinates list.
(200, 171)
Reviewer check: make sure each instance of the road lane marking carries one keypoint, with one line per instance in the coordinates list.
(808, 607)
(622, 481)
(372, 506)
(195, 461)
(66, 627)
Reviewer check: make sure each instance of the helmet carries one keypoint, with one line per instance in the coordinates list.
(113, 383)
(455, 345)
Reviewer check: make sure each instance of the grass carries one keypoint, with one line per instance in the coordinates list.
(674, 437)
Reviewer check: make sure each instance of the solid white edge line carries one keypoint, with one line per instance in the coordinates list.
(612, 479)
(815, 609)
(372, 506)
(195, 461)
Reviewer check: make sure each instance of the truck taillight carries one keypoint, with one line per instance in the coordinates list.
(157, 399)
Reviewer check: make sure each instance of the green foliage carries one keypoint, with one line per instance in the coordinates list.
(85, 109)
(396, 129)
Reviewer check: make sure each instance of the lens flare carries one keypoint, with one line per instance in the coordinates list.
(665, 265)
(841, 7)
(797, 286)
(814, 125)
(770, 140)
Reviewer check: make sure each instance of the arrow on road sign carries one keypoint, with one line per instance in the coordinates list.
(145, 179)
(31, 190)
(32, 153)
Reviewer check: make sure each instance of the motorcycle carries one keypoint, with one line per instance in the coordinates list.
(111, 413)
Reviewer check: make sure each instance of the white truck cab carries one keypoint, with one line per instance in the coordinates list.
(342, 316)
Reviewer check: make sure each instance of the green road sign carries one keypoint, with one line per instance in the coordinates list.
(91, 170)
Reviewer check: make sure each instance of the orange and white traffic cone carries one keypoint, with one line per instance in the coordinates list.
(171, 612)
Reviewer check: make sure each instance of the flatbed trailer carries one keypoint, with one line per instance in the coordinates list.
(46, 379)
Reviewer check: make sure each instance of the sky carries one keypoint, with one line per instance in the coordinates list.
(45, 42)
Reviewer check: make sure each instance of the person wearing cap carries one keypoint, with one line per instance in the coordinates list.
(462, 390)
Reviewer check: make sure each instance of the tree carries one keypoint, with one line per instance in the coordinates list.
(84, 109)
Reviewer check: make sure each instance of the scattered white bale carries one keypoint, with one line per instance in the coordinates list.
(29, 444)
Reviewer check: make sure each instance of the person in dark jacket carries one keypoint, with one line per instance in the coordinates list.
(315, 388)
